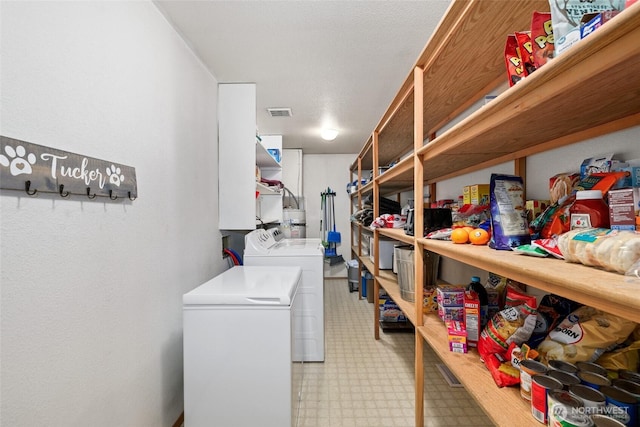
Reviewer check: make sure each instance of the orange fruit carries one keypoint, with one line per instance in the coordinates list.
(479, 237)
(459, 235)
(469, 228)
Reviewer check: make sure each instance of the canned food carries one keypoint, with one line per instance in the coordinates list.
(561, 365)
(593, 380)
(621, 405)
(561, 406)
(570, 419)
(540, 387)
(565, 378)
(600, 420)
(629, 376)
(591, 367)
(628, 386)
(529, 368)
(593, 400)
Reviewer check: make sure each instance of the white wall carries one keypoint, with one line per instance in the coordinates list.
(322, 171)
(91, 304)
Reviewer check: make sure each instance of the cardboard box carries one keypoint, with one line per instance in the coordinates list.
(450, 295)
(535, 208)
(472, 318)
(622, 209)
(477, 194)
(592, 21)
(457, 335)
(390, 312)
(451, 313)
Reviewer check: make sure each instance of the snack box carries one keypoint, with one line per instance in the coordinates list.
(477, 194)
(457, 335)
(390, 312)
(623, 205)
(472, 319)
(451, 313)
(592, 21)
(450, 295)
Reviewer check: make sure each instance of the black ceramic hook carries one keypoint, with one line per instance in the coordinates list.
(89, 193)
(111, 195)
(131, 198)
(27, 185)
(63, 194)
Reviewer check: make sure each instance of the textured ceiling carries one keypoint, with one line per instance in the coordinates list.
(334, 63)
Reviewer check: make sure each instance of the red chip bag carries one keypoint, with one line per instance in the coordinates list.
(513, 324)
(515, 67)
(542, 41)
(526, 50)
(503, 374)
(516, 297)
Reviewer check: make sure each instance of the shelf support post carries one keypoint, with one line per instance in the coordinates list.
(376, 239)
(418, 230)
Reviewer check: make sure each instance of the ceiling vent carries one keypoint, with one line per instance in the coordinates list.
(279, 112)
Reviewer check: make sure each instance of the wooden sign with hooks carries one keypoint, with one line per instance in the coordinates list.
(35, 168)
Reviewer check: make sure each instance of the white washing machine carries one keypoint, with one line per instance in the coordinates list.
(238, 349)
(269, 247)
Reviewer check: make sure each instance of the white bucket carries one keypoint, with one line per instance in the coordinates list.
(294, 223)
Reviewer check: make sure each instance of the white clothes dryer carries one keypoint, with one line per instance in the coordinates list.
(270, 248)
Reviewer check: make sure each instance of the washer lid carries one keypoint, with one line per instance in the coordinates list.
(298, 247)
(248, 285)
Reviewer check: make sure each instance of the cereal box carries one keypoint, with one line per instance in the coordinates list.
(477, 194)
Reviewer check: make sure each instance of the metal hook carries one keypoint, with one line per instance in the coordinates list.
(131, 198)
(27, 185)
(89, 193)
(61, 191)
(111, 195)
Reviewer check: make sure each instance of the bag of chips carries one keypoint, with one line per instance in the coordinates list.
(515, 323)
(584, 335)
(515, 67)
(541, 38)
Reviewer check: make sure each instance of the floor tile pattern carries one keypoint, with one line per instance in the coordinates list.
(364, 382)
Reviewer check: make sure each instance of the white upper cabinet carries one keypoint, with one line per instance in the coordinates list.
(240, 156)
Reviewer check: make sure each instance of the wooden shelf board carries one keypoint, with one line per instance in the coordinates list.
(450, 84)
(611, 292)
(504, 406)
(590, 85)
(396, 139)
(397, 234)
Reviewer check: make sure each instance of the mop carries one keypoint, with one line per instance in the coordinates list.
(330, 237)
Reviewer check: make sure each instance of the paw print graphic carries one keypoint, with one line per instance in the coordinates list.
(16, 161)
(115, 177)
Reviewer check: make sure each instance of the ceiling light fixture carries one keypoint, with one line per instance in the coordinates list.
(329, 134)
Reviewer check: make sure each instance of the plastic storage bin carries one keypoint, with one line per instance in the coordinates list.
(352, 274)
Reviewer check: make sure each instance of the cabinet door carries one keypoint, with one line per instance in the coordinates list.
(237, 156)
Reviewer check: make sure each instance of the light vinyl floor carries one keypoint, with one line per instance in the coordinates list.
(364, 382)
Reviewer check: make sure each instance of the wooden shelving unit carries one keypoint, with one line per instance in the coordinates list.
(590, 90)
